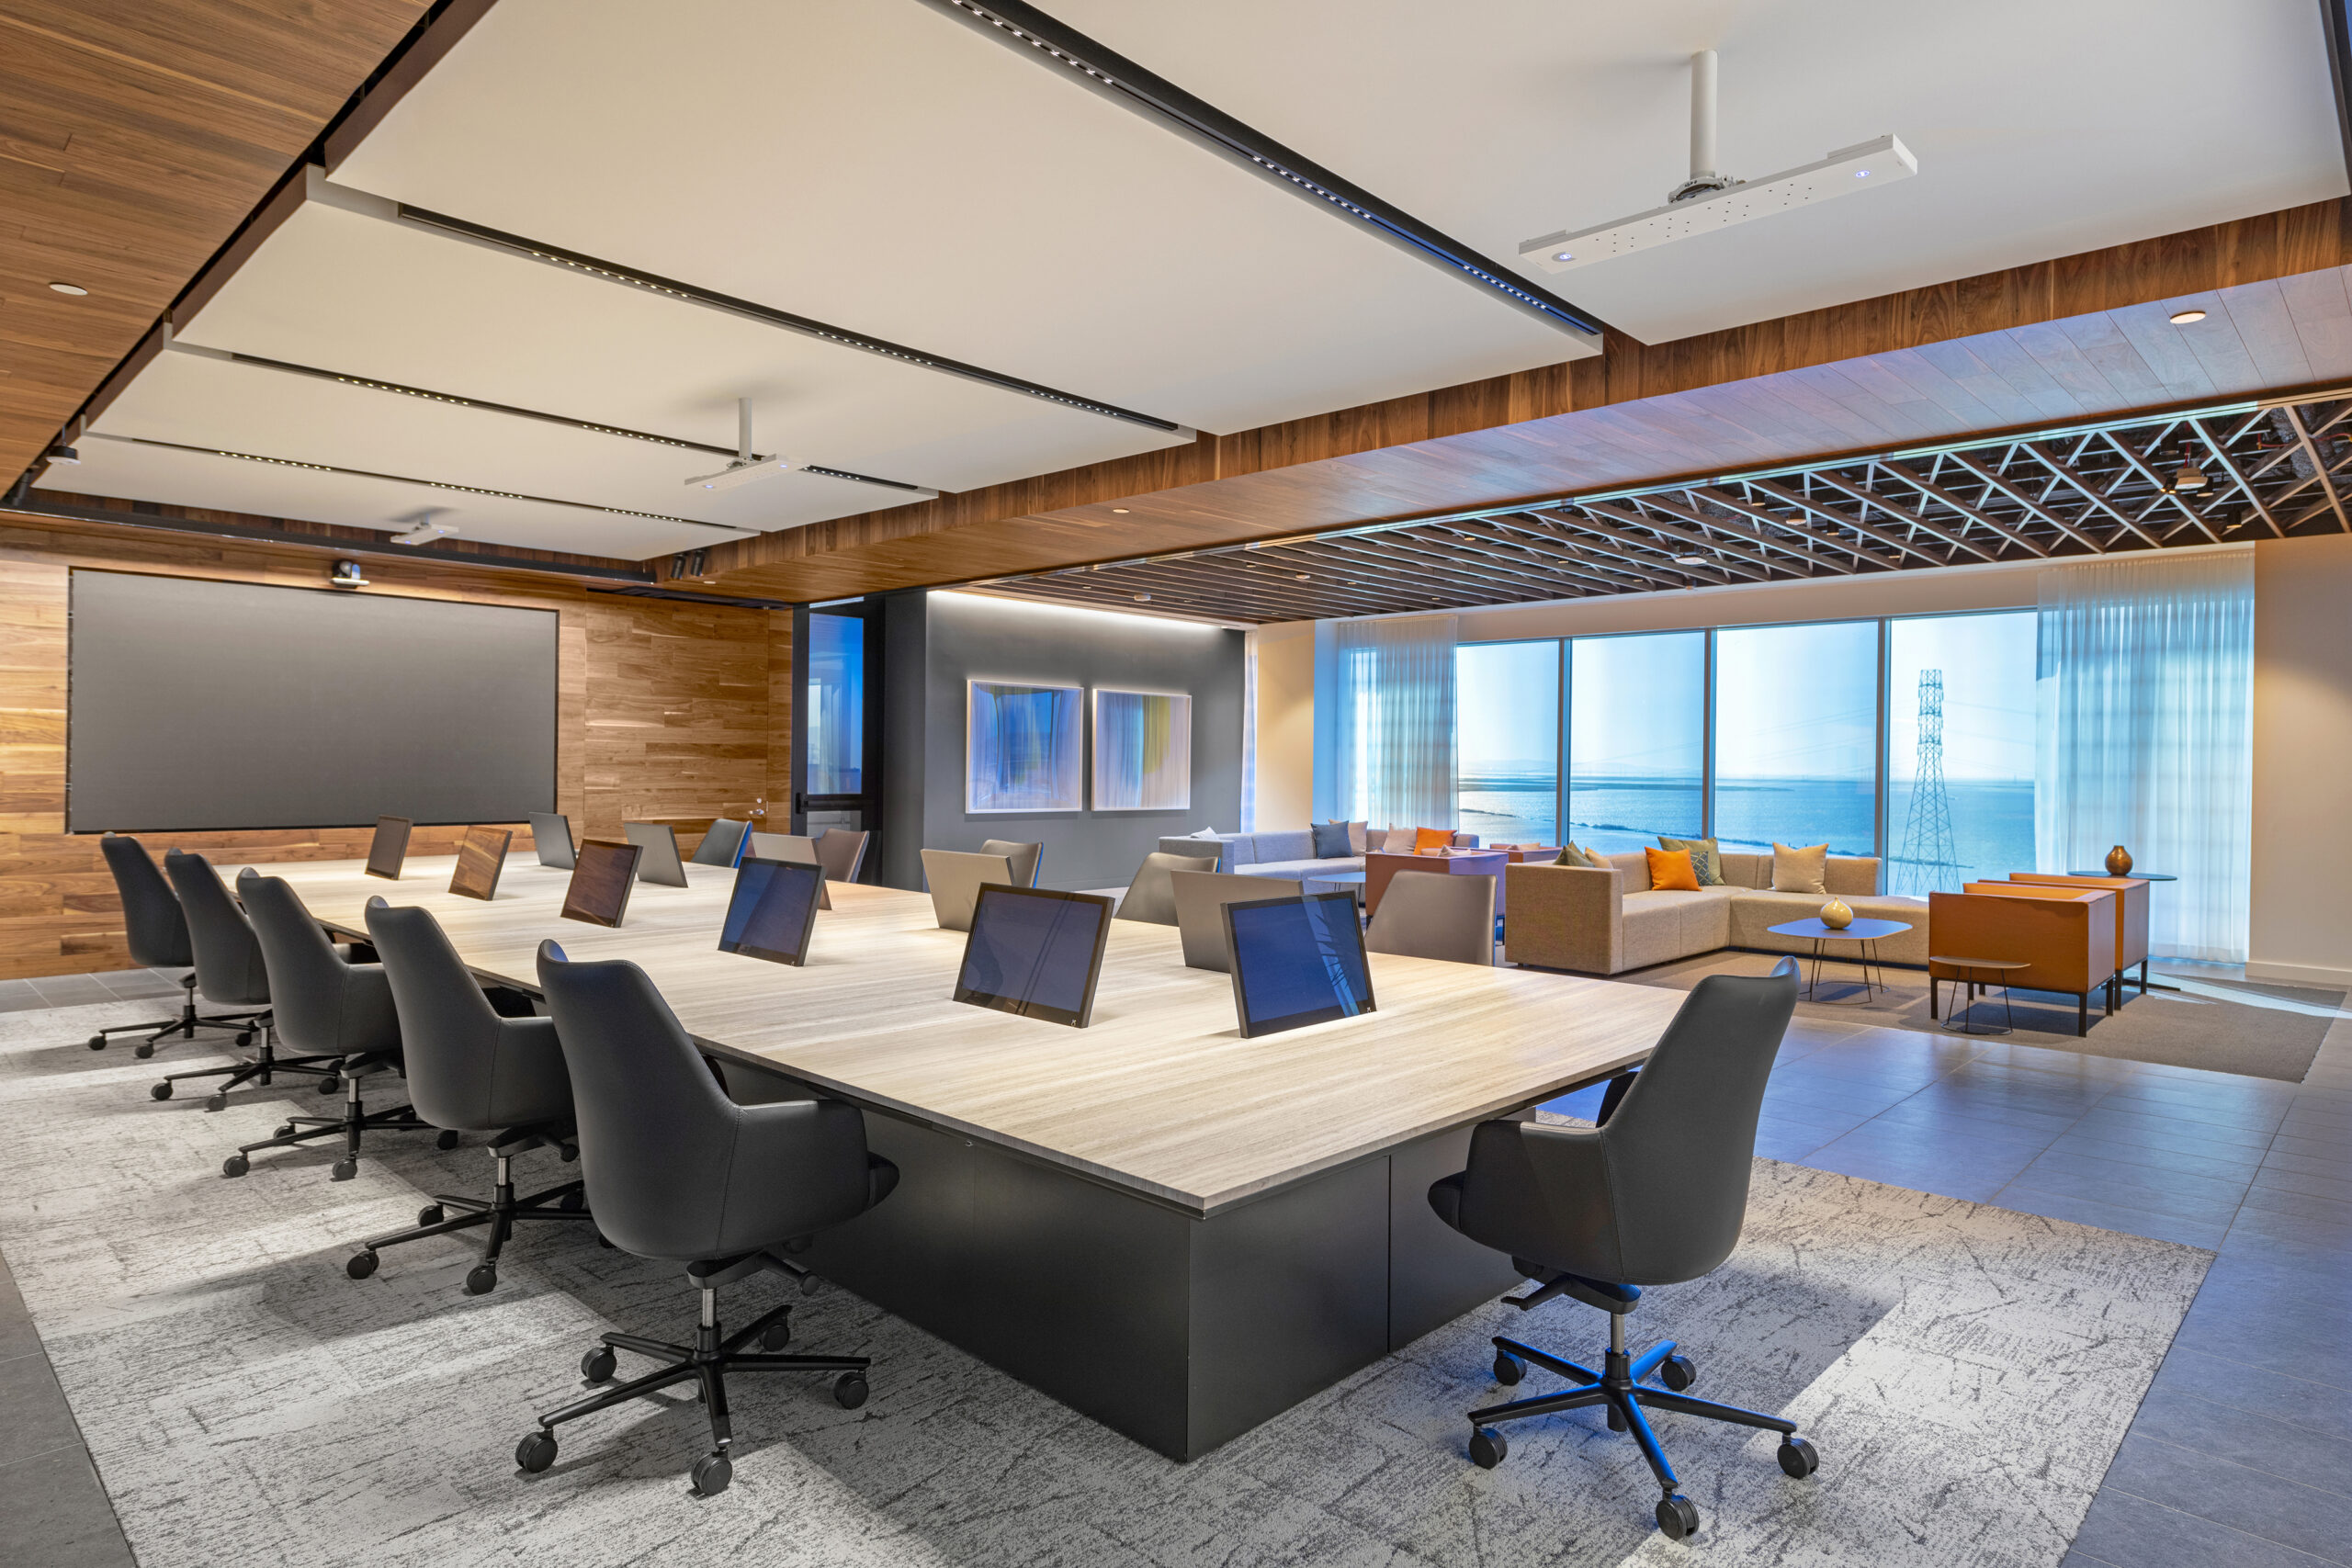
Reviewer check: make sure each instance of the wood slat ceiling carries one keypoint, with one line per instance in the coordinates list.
(135, 136)
(2201, 476)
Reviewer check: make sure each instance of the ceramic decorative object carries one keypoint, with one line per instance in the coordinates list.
(1836, 915)
(2119, 861)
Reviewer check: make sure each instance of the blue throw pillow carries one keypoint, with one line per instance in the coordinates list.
(1331, 841)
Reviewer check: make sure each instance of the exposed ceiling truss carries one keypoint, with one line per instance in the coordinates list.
(2216, 474)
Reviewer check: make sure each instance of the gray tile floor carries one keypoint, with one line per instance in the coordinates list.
(2241, 1453)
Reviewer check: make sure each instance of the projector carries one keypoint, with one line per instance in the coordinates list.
(424, 534)
(742, 471)
(1708, 200)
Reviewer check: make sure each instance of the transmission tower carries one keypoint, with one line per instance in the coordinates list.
(1927, 846)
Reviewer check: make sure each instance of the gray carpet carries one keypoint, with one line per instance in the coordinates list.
(1967, 1372)
(2181, 1029)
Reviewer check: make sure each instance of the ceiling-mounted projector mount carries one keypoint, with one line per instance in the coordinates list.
(1711, 200)
(746, 466)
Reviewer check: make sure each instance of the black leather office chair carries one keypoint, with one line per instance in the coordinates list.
(1652, 1196)
(470, 1070)
(1027, 859)
(230, 973)
(841, 852)
(722, 845)
(676, 1170)
(156, 931)
(332, 1007)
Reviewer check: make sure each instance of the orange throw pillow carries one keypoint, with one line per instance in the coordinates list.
(1432, 838)
(1671, 870)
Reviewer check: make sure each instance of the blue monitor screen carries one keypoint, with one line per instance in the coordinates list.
(1298, 961)
(1035, 953)
(774, 911)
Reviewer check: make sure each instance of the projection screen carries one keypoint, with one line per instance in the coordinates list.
(200, 705)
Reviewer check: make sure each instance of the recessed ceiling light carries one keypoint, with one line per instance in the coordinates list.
(1301, 577)
(1143, 597)
(2183, 318)
(1862, 174)
(1690, 561)
(75, 289)
(1121, 510)
(1563, 255)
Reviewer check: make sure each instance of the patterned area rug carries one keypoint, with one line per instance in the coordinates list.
(1967, 1374)
(2198, 1027)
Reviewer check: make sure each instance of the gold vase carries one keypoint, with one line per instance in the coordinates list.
(2119, 861)
(1836, 915)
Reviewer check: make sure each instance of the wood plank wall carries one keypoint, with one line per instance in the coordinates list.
(663, 709)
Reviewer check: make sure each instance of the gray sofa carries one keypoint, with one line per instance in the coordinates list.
(1289, 855)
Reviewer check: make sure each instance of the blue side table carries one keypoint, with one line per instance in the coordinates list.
(1864, 933)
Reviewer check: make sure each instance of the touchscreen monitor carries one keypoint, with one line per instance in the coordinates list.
(598, 892)
(388, 847)
(660, 862)
(1035, 953)
(551, 836)
(1298, 961)
(772, 911)
(481, 855)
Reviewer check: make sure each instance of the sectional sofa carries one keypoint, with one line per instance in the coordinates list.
(1606, 921)
(1289, 853)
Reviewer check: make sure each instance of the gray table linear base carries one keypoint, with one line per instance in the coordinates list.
(1181, 1332)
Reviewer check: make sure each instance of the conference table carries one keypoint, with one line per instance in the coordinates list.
(1172, 1229)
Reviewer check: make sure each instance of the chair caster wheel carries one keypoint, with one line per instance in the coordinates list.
(143, 1050)
(344, 1170)
(285, 1130)
(1799, 1458)
(573, 1202)
(598, 1365)
(480, 1280)
(216, 1100)
(711, 1474)
(244, 1038)
(330, 1084)
(162, 1090)
(776, 1336)
(1677, 1516)
(447, 1140)
(603, 1241)
(1487, 1448)
(1677, 1373)
(235, 1165)
(362, 1264)
(849, 1390)
(535, 1452)
(1509, 1368)
(431, 1214)
(1617, 1422)
(97, 1041)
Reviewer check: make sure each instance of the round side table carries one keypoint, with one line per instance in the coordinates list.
(1978, 975)
(1863, 933)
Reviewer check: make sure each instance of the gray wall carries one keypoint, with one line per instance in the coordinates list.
(953, 638)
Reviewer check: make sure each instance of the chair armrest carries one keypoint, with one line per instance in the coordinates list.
(1530, 1187)
(799, 1164)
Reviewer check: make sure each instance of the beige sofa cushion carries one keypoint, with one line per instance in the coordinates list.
(1652, 927)
(1636, 867)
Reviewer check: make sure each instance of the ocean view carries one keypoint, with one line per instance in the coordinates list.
(1992, 821)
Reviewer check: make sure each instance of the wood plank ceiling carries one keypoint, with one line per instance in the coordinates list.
(2211, 476)
(135, 137)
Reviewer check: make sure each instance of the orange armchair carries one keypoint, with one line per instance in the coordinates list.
(2130, 914)
(2064, 936)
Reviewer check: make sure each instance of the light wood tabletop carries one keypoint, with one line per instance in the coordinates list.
(1161, 1095)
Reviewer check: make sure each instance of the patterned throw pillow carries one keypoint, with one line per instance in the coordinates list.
(1706, 858)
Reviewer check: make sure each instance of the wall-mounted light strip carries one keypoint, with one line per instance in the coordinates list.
(1122, 80)
(686, 293)
(176, 345)
(411, 480)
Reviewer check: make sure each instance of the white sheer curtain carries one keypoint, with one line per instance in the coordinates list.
(1395, 721)
(2144, 702)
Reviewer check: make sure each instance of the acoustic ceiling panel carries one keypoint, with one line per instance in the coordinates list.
(880, 164)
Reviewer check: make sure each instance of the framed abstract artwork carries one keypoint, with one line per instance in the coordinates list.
(1023, 747)
(1143, 750)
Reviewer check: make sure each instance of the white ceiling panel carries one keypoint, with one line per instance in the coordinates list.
(2041, 129)
(126, 470)
(194, 401)
(339, 290)
(877, 164)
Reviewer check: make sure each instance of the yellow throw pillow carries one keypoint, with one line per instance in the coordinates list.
(1432, 839)
(1799, 871)
(1671, 870)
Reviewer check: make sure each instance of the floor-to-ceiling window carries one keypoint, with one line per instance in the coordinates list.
(836, 697)
(1506, 748)
(1960, 749)
(1796, 737)
(1636, 739)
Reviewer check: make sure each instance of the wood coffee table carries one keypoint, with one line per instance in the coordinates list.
(1864, 933)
